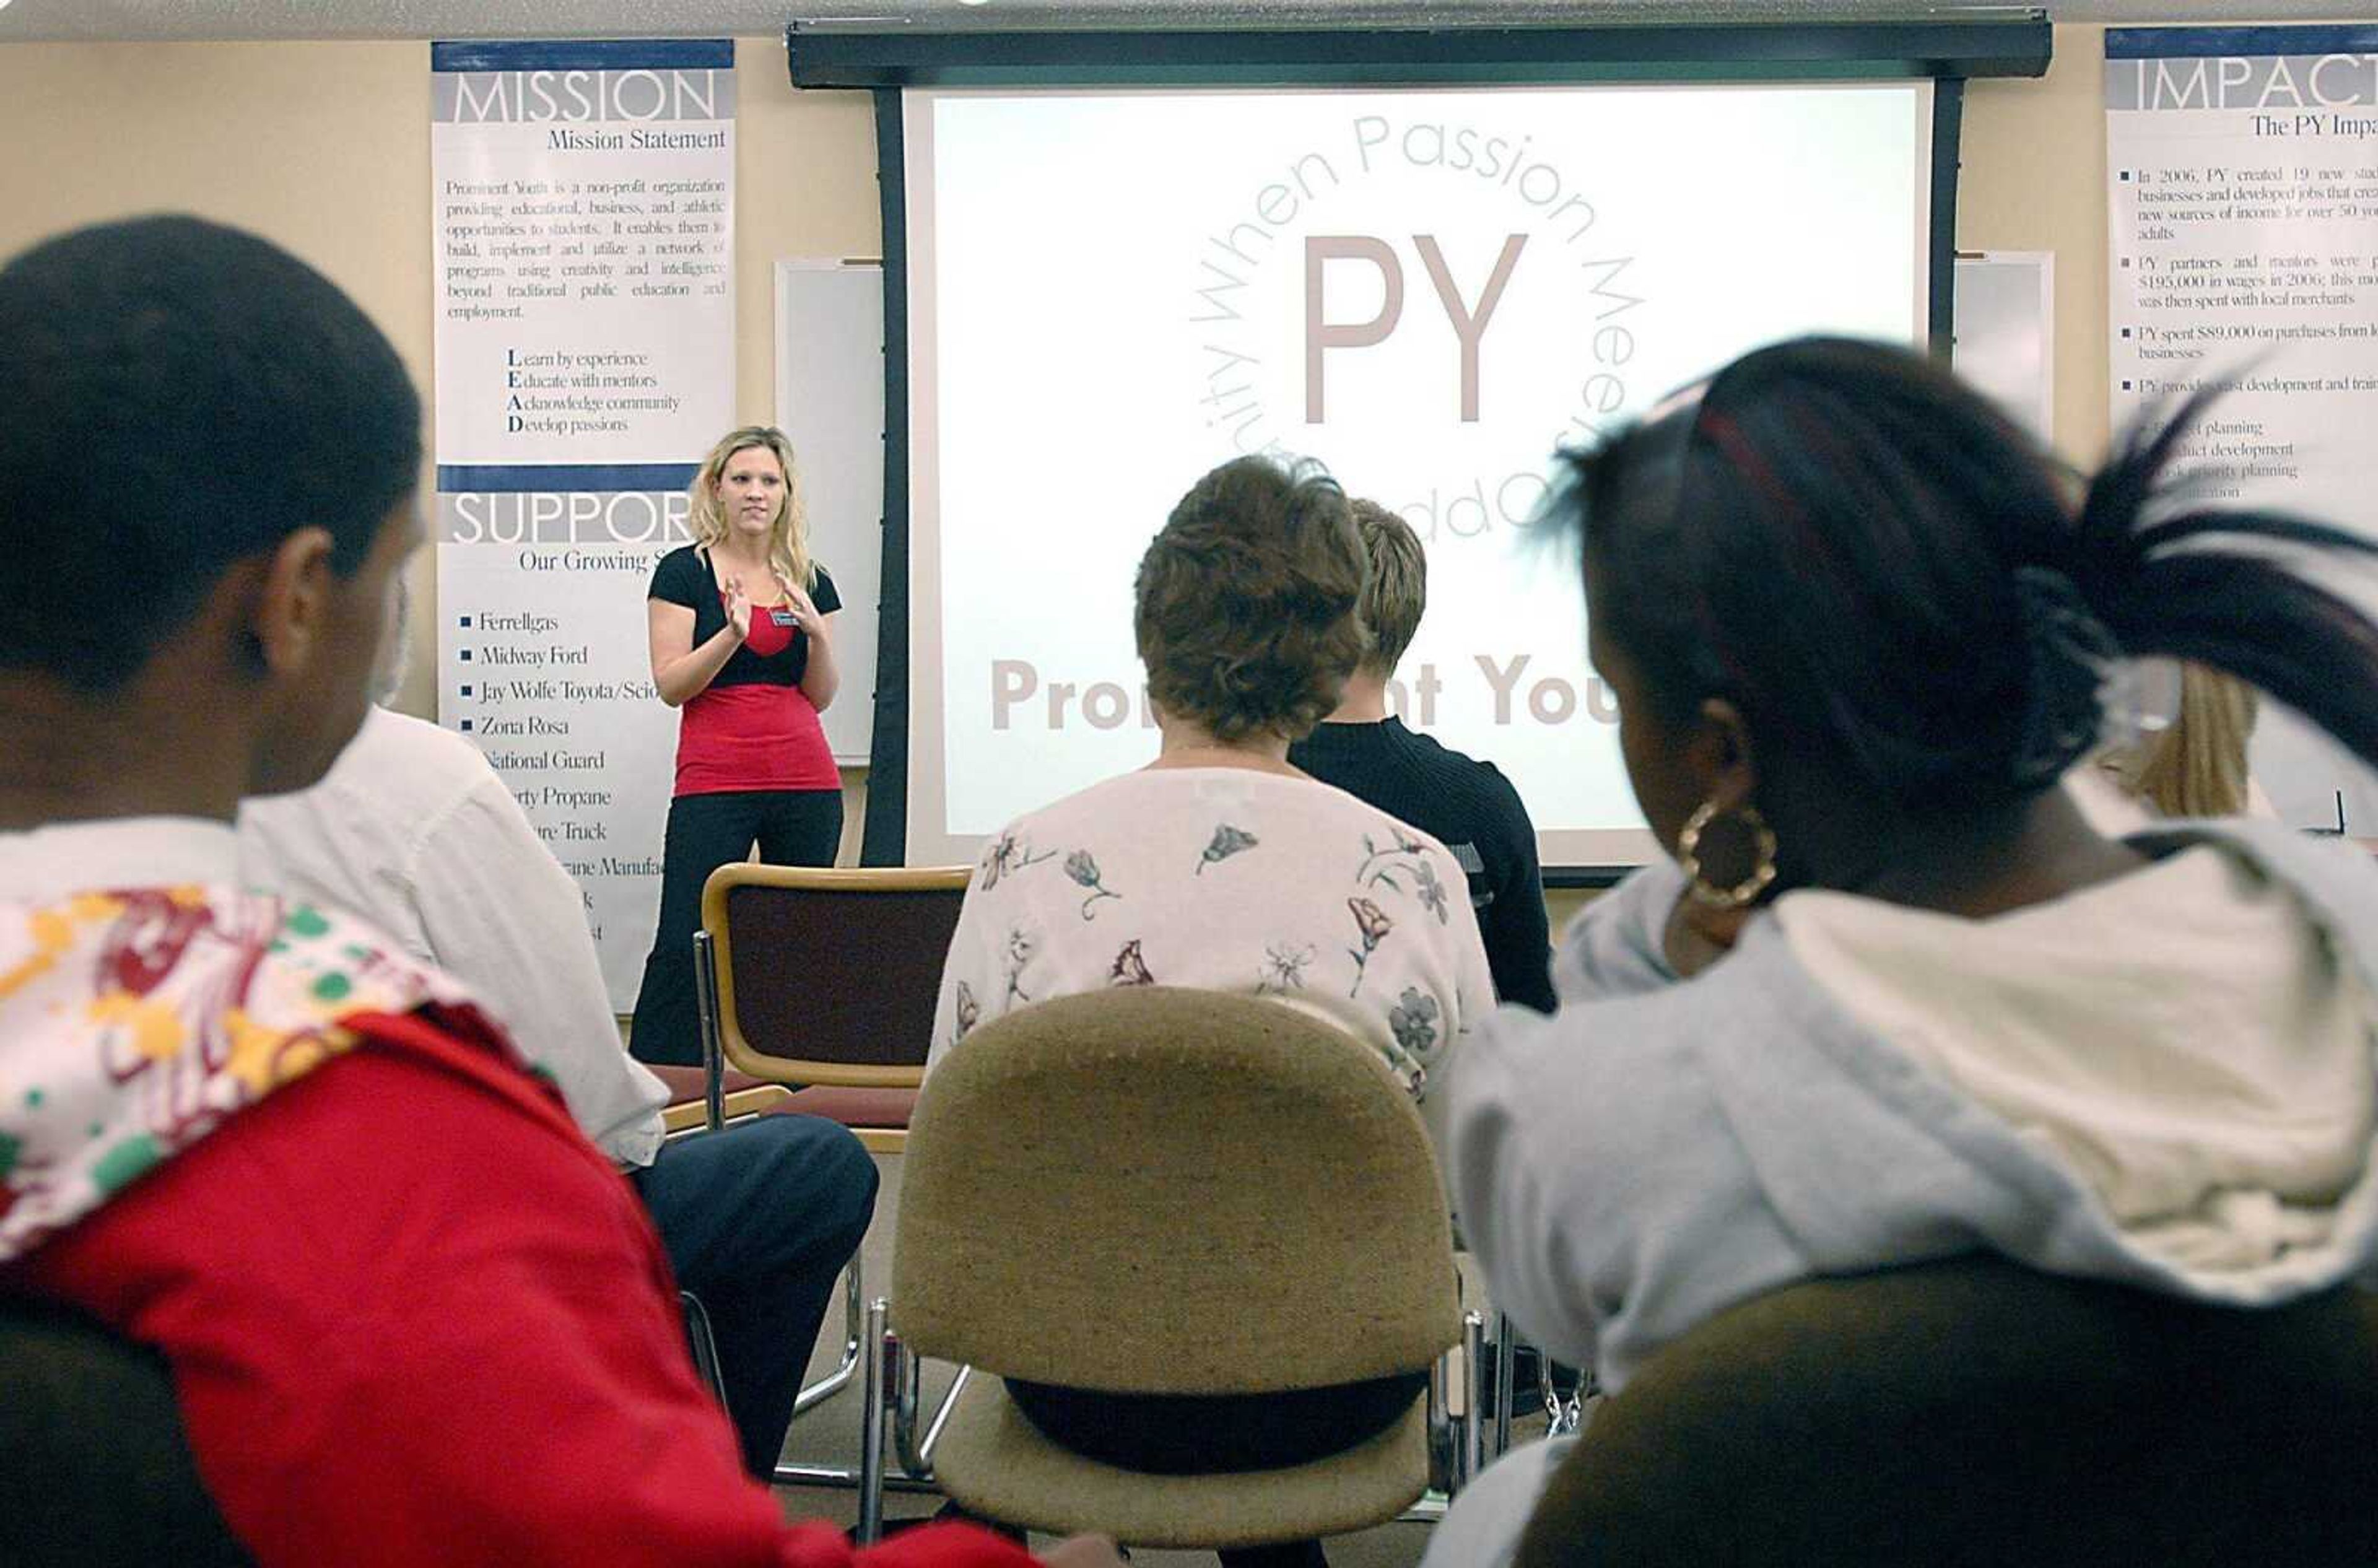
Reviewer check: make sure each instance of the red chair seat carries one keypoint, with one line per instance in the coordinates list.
(852, 1107)
(684, 1084)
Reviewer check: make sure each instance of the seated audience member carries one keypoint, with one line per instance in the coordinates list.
(2195, 766)
(1896, 999)
(411, 1315)
(1366, 751)
(414, 830)
(1218, 864)
(1220, 867)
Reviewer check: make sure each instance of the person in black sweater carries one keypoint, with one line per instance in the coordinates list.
(1467, 804)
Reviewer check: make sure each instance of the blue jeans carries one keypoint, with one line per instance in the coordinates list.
(758, 1220)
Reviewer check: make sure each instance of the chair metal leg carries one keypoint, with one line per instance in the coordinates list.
(1564, 1410)
(871, 1433)
(1507, 1361)
(713, 1061)
(705, 1344)
(834, 1381)
(1449, 1436)
(917, 1458)
(853, 1351)
(837, 1479)
(1473, 1355)
(941, 1418)
(1442, 1437)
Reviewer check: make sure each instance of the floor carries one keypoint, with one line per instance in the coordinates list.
(829, 1435)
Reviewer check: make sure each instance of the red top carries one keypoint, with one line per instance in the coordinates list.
(752, 727)
(414, 1318)
(752, 738)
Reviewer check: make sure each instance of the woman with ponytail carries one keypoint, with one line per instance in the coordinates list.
(1894, 999)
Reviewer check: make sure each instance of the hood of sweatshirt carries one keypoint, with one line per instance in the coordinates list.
(2189, 1041)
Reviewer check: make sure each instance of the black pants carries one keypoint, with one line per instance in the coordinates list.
(792, 827)
(758, 1220)
(1192, 1435)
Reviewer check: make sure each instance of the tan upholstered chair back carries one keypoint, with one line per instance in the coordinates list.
(827, 976)
(1157, 1190)
(1976, 1412)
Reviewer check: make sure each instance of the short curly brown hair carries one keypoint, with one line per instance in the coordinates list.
(1246, 601)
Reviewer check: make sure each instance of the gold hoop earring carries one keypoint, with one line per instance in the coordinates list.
(1689, 846)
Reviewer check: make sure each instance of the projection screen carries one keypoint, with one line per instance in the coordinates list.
(1428, 290)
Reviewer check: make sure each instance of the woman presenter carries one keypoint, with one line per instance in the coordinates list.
(741, 623)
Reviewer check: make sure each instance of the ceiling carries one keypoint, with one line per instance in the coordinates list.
(206, 19)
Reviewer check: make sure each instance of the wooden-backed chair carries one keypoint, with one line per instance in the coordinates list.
(1977, 1412)
(823, 981)
(1152, 1191)
(816, 989)
(688, 1110)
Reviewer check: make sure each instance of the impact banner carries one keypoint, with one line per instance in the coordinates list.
(583, 210)
(2242, 182)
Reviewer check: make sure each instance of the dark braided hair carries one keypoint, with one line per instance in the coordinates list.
(1880, 568)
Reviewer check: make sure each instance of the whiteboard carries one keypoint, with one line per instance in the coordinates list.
(830, 403)
(2005, 325)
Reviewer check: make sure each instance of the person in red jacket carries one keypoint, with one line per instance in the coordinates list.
(411, 1315)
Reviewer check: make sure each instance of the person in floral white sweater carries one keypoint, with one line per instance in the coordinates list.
(1219, 866)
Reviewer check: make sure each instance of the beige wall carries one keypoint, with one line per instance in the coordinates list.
(322, 147)
(804, 186)
(325, 147)
(2034, 179)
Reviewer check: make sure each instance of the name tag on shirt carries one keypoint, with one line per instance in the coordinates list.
(781, 617)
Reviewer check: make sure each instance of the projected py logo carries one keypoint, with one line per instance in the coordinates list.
(1427, 306)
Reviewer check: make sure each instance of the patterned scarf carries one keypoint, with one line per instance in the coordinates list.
(134, 1023)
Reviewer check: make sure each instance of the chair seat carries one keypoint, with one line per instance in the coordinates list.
(997, 1463)
(685, 1084)
(852, 1107)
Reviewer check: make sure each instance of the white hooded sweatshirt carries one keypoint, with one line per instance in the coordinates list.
(2166, 1080)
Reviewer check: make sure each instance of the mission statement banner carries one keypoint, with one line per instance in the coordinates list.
(585, 345)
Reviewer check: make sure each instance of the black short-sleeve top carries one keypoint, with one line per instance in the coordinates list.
(776, 651)
(752, 727)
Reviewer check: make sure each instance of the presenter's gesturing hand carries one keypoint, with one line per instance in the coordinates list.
(805, 610)
(739, 608)
(820, 678)
(681, 668)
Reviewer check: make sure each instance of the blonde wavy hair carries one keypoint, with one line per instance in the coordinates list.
(2196, 766)
(789, 536)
